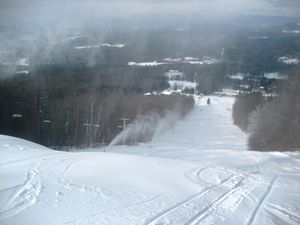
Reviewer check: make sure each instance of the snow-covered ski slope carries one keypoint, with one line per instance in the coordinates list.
(199, 172)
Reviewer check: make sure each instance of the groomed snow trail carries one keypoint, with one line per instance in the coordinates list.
(199, 172)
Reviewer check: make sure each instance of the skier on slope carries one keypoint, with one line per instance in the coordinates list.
(208, 101)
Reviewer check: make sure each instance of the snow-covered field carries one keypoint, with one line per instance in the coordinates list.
(289, 60)
(238, 76)
(275, 75)
(154, 63)
(199, 172)
(186, 60)
(117, 45)
(291, 31)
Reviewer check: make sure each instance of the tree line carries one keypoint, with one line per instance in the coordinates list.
(272, 123)
(80, 109)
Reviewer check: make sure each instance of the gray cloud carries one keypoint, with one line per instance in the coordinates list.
(118, 8)
(285, 2)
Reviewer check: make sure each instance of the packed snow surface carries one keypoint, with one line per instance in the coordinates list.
(198, 172)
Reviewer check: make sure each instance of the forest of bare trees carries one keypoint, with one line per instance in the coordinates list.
(84, 109)
(244, 105)
(272, 123)
(276, 124)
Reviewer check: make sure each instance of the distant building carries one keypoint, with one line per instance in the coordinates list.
(174, 75)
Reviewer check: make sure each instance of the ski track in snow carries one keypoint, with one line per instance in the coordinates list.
(76, 221)
(261, 201)
(223, 198)
(23, 195)
(199, 172)
(274, 210)
(188, 203)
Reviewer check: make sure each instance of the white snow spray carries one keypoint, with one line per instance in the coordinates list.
(145, 128)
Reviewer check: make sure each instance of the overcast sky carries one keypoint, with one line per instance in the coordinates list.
(125, 7)
(73, 12)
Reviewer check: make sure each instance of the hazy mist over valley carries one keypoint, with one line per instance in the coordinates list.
(153, 112)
